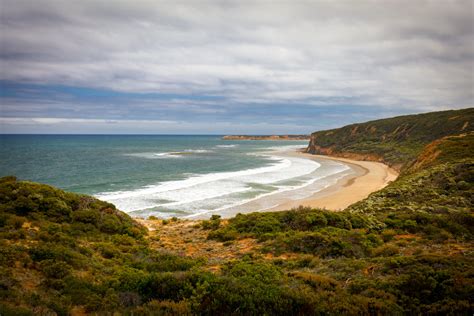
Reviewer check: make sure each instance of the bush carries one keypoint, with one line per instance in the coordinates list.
(16, 222)
(213, 223)
(388, 234)
(316, 220)
(225, 234)
(166, 307)
(55, 269)
(386, 251)
(56, 209)
(86, 216)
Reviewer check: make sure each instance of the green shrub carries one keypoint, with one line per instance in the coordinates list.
(386, 251)
(316, 220)
(55, 269)
(225, 234)
(86, 216)
(56, 208)
(388, 234)
(213, 223)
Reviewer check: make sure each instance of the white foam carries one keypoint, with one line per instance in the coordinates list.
(227, 146)
(197, 151)
(307, 183)
(170, 154)
(197, 179)
(200, 194)
(150, 155)
(288, 147)
(209, 186)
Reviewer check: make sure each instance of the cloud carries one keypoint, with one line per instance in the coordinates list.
(400, 56)
(48, 125)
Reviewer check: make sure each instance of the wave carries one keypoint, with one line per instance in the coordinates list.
(287, 147)
(170, 154)
(155, 155)
(197, 151)
(208, 186)
(227, 146)
(167, 155)
(340, 171)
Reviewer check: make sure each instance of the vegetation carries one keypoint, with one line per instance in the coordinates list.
(396, 141)
(61, 251)
(406, 249)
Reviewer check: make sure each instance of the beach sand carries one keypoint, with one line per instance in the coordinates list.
(365, 177)
(370, 177)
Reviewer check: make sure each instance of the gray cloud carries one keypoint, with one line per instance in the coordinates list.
(47, 125)
(394, 54)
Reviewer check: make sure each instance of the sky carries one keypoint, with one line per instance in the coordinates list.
(229, 67)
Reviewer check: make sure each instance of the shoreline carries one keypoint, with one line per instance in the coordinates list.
(371, 177)
(366, 178)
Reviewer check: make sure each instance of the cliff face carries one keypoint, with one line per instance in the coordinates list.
(446, 149)
(396, 141)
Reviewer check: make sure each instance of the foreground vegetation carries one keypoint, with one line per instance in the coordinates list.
(407, 249)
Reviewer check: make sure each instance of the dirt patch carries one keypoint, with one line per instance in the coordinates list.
(188, 238)
(407, 236)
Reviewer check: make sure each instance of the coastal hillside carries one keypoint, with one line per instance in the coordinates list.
(402, 245)
(68, 254)
(395, 141)
(406, 249)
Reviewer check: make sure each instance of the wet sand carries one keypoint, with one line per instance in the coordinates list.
(364, 178)
(370, 177)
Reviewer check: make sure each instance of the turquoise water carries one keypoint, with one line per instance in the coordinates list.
(160, 175)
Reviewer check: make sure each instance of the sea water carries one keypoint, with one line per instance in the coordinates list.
(165, 176)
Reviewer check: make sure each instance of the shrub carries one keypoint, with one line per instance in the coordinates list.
(55, 269)
(16, 222)
(52, 251)
(111, 224)
(56, 209)
(213, 223)
(167, 262)
(316, 220)
(409, 225)
(166, 307)
(86, 216)
(388, 234)
(386, 251)
(225, 234)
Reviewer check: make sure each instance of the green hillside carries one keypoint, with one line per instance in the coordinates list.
(406, 249)
(396, 141)
(63, 253)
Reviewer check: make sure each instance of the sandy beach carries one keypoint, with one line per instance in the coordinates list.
(363, 178)
(370, 177)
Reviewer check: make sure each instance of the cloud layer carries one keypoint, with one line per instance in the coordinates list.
(216, 57)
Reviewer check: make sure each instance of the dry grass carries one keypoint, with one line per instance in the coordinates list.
(186, 237)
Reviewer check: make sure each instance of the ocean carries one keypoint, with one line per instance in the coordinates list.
(165, 176)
